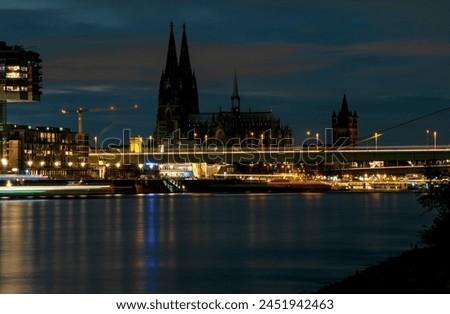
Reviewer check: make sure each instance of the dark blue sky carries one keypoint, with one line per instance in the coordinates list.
(391, 58)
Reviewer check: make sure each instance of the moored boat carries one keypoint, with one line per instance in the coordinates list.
(29, 186)
(251, 186)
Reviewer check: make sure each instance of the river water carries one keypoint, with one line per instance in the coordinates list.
(187, 243)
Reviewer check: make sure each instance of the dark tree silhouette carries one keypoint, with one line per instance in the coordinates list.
(437, 199)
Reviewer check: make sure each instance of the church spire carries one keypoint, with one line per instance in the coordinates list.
(344, 107)
(171, 62)
(185, 63)
(235, 99)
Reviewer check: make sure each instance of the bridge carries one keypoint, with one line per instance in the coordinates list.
(294, 155)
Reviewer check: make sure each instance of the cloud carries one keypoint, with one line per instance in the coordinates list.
(410, 48)
(218, 61)
(96, 88)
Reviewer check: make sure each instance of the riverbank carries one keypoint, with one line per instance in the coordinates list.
(420, 270)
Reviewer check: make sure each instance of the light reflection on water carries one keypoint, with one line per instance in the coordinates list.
(263, 243)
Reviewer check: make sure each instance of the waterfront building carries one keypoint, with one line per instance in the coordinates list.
(136, 144)
(180, 121)
(345, 126)
(20, 74)
(56, 152)
(20, 77)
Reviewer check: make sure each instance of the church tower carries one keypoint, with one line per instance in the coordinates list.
(235, 99)
(188, 82)
(345, 126)
(178, 95)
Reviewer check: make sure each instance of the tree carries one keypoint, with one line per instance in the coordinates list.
(437, 199)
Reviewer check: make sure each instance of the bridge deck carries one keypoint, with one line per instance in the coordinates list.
(293, 155)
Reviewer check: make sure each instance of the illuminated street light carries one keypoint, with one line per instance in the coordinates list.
(4, 162)
(428, 137)
(435, 138)
(95, 143)
(317, 139)
(376, 140)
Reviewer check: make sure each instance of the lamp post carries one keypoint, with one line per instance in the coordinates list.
(376, 141)
(428, 137)
(4, 162)
(29, 163)
(150, 139)
(95, 143)
(317, 140)
(307, 141)
(435, 138)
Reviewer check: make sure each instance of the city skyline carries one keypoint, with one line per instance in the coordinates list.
(297, 58)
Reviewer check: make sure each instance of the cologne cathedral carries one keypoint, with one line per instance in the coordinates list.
(178, 95)
(179, 119)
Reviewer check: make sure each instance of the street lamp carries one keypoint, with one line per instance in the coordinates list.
(376, 141)
(428, 137)
(317, 140)
(95, 143)
(29, 163)
(435, 138)
(4, 162)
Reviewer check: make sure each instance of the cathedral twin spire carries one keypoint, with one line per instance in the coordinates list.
(173, 67)
(178, 95)
(172, 59)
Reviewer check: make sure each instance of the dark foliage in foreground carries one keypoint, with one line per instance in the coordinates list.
(425, 270)
(437, 199)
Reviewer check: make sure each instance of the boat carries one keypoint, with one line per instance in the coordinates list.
(31, 186)
(236, 185)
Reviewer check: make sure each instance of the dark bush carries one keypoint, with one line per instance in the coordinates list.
(437, 199)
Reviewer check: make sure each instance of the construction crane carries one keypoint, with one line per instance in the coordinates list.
(80, 112)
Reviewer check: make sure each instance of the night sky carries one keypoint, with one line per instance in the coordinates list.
(298, 58)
